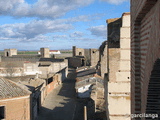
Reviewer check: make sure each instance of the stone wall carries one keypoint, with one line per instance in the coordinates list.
(103, 58)
(53, 68)
(91, 56)
(78, 51)
(118, 88)
(11, 68)
(31, 68)
(114, 63)
(74, 62)
(45, 52)
(94, 53)
(114, 32)
(87, 56)
(10, 52)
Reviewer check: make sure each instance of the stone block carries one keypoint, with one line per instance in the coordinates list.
(125, 54)
(125, 32)
(125, 43)
(125, 65)
(123, 76)
(118, 87)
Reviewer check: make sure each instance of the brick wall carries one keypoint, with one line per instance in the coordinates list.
(145, 17)
(17, 108)
(56, 81)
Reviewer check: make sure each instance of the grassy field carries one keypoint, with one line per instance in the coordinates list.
(27, 52)
(22, 52)
(64, 53)
(1, 53)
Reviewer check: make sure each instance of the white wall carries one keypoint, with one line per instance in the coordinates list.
(84, 91)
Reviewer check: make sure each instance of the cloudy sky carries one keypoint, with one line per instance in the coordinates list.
(57, 24)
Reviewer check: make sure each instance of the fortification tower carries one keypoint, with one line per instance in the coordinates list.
(74, 50)
(78, 51)
(10, 52)
(45, 52)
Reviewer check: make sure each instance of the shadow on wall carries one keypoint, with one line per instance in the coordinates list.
(153, 103)
(106, 93)
(65, 103)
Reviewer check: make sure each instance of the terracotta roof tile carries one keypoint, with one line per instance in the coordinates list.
(9, 89)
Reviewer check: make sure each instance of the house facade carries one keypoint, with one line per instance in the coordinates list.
(14, 101)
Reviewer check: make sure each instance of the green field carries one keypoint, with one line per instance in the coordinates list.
(64, 53)
(27, 52)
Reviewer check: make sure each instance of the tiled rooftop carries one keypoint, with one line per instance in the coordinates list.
(9, 89)
(30, 82)
(90, 71)
(30, 58)
(51, 60)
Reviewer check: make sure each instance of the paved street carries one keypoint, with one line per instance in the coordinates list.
(61, 103)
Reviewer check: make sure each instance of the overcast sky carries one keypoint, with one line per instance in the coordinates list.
(57, 24)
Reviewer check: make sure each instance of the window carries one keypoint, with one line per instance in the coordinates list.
(7, 53)
(2, 112)
(80, 53)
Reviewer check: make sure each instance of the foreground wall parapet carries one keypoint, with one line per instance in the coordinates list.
(118, 86)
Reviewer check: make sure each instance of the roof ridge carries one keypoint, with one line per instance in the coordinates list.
(18, 85)
(9, 89)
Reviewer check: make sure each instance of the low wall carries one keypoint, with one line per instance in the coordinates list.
(56, 82)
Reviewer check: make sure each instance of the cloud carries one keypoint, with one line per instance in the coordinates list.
(85, 18)
(99, 31)
(29, 31)
(76, 34)
(45, 8)
(9, 5)
(117, 2)
(34, 29)
(59, 36)
(42, 8)
(38, 38)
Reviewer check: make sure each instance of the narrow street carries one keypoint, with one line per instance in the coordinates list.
(61, 103)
